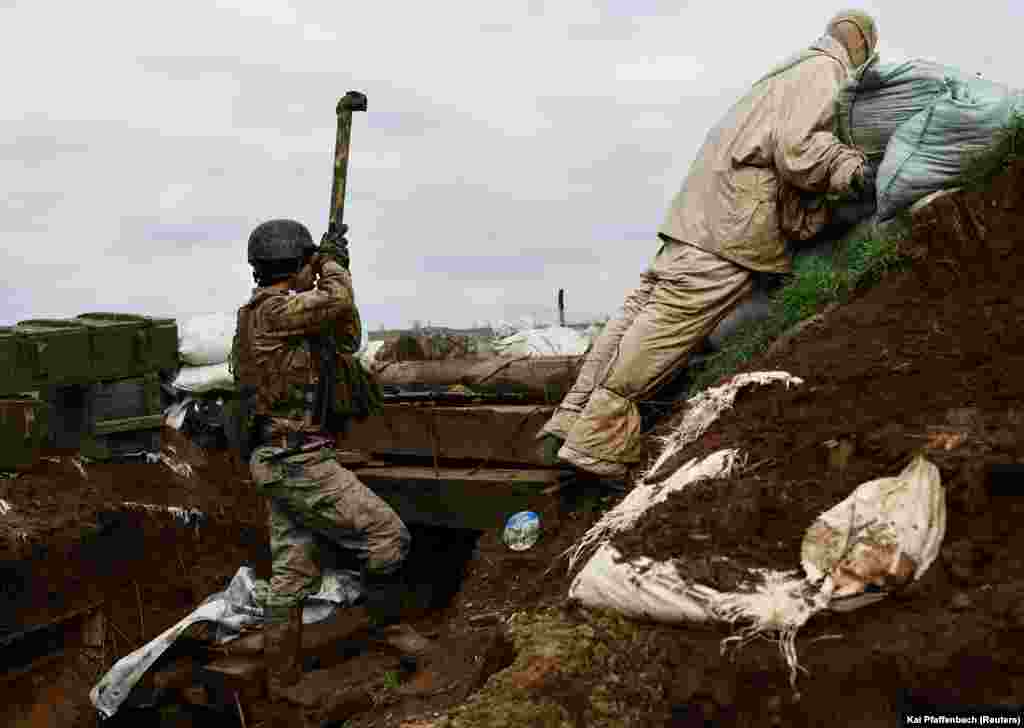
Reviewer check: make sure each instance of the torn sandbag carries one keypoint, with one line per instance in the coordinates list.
(883, 536)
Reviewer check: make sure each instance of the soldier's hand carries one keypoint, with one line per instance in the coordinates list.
(864, 183)
(334, 246)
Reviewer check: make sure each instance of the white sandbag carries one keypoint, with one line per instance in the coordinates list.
(205, 378)
(884, 535)
(553, 341)
(929, 152)
(367, 356)
(206, 339)
(609, 582)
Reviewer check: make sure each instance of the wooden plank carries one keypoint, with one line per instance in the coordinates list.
(545, 378)
(128, 424)
(480, 499)
(496, 434)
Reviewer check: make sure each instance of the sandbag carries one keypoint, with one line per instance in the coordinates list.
(886, 534)
(368, 356)
(928, 153)
(553, 341)
(882, 96)
(205, 378)
(206, 339)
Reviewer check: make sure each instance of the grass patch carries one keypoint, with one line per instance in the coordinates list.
(858, 263)
(980, 168)
(391, 680)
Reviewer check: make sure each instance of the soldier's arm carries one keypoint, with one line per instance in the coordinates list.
(807, 154)
(306, 312)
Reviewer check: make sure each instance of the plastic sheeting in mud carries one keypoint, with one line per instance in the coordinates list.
(231, 611)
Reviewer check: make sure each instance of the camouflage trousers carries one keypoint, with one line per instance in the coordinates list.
(309, 496)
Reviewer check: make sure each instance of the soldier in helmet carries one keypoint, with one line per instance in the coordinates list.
(303, 298)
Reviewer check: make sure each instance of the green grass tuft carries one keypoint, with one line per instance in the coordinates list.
(980, 168)
(857, 263)
(391, 680)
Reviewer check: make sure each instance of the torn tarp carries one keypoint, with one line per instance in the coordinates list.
(231, 610)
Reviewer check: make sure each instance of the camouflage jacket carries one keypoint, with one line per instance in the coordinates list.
(273, 351)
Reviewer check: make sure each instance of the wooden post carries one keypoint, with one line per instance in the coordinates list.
(561, 307)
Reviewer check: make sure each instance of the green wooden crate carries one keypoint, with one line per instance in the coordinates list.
(22, 432)
(163, 342)
(126, 345)
(124, 417)
(105, 419)
(14, 375)
(58, 351)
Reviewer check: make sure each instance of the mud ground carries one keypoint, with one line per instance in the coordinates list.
(929, 360)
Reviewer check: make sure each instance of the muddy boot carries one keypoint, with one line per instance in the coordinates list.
(282, 650)
(384, 605)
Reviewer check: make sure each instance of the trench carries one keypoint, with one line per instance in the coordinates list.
(79, 603)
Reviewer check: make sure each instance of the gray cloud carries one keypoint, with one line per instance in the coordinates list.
(513, 149)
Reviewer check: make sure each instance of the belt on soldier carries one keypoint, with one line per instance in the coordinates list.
(296, 442)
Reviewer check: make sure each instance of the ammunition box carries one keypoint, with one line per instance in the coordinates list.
(56, 351)
(126, 345)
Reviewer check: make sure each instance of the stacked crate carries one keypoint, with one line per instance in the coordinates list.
(97, 375)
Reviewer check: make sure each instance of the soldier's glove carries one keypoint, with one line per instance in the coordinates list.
(864, 184)
(334, 246)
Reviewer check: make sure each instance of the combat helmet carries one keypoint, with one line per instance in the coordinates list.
(277, 249)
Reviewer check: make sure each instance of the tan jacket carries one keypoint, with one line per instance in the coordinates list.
(779, 133)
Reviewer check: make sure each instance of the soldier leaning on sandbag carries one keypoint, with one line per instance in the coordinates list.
(295, 394)
(762, 176)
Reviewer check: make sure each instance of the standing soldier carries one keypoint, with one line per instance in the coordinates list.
(294, 388)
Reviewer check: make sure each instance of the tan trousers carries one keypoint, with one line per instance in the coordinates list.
(682, 297)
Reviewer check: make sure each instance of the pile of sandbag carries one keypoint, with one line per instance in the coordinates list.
(921, 122)
(884, 535)
(204, 346)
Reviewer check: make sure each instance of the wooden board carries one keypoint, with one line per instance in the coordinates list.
(492, 434)
(545, 378)
(479, 499)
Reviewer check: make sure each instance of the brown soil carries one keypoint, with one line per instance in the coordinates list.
(929, 360)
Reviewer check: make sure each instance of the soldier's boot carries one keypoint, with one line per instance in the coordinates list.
(384, 606)
(282, 651)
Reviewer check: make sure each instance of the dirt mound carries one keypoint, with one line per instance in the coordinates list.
(929, 361)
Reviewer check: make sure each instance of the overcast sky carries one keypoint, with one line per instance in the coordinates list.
(510, 148)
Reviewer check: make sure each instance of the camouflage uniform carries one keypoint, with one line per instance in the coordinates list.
(309, 493)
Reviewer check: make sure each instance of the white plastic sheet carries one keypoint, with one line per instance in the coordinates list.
(232, 610)
(206, 339)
